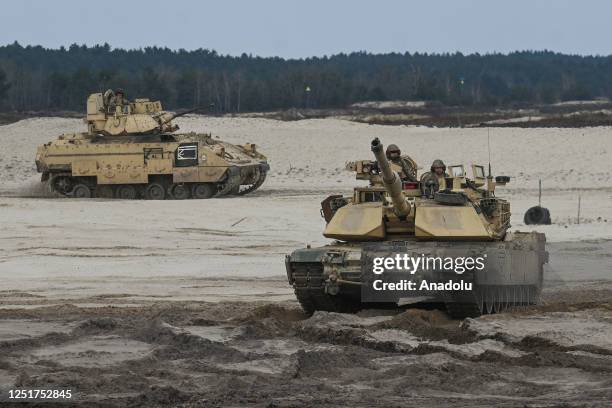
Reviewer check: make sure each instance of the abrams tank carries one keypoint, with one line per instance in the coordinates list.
(133, 150)
(442, 239)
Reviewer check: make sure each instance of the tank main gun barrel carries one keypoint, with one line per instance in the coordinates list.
(178, 114)
(391, 180)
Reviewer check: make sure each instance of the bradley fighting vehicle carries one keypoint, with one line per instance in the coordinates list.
(133, 150)
(452, 217)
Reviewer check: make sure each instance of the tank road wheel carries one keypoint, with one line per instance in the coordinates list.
(105, 191)
(81, 190)
(61, 184)
(155, 191)
(126, 192)
(203, 190)
(180, 191)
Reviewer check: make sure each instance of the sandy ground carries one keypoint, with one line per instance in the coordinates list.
(147, 303)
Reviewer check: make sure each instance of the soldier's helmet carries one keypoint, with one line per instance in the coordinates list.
(392, 149)
(438, 163)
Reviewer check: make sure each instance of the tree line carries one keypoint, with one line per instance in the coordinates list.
(33, 78)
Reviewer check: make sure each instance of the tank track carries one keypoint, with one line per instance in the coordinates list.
(96, 191)
(231, 184)
(62, 184)
(309, 287)
(261, 177)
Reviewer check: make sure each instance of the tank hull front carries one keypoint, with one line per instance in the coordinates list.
(341, 278)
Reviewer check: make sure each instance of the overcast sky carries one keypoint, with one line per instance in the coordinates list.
(304, 28)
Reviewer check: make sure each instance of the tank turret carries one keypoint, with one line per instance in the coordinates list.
(140, 117)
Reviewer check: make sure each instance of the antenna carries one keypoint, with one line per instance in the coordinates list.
(539, 192)
(489, 149)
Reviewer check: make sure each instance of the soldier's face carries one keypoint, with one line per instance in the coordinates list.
(393, 155)
(439, 170)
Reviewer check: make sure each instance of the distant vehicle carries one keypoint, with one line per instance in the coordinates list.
(457, 218)
(537, 214)
(133, 150)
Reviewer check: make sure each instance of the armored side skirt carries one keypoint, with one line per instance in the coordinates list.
(471, 278)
